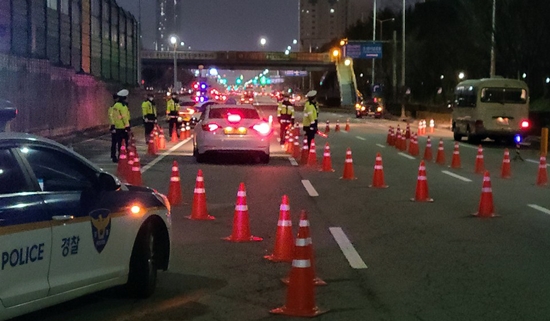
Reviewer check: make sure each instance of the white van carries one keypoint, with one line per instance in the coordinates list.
(495, 108)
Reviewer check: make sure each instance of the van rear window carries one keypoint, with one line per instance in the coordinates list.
(504, 95)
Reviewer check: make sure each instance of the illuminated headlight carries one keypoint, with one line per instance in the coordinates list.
(357, 106)
(379, 109)
(363, 108)
(180, 119)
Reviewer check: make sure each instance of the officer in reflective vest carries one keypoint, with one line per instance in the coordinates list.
(285, 115)
(311, 112)
(172, 113)
(149, 112)
(119, 116)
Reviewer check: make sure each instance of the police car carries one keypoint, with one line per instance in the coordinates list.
(67, 228)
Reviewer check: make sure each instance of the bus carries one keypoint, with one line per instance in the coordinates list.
(495, 108)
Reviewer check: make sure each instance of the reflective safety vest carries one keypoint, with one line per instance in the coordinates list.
(310, 113)
(285, 112)
(119, 115)
(172, 108)
(149, 111)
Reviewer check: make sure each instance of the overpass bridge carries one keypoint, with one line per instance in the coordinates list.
(240, 59)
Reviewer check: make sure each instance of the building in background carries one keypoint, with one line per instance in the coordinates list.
(169, 22)
(324, 20)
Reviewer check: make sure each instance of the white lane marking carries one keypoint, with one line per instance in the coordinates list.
(539, 208)
(534, 161)
(380, 145)
(360, 138)
(407, 156)
(462, 178)
(293, 161)
(468, 146)
(309, 188)
(161, 156)
(355, 261)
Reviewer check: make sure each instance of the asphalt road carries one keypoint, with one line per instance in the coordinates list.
(425, 261)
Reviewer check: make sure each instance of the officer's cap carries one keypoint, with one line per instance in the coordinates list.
(312, 93)
(123, 93)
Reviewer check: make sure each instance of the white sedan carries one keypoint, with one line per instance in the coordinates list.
(232, 129)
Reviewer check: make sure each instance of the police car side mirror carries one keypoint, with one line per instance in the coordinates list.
(108, 182)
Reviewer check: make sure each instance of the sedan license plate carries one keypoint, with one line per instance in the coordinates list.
(234, 131)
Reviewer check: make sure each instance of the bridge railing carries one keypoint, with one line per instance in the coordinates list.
(237, 56)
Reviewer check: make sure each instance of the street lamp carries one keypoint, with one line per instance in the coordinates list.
(174, 42)
(347, 62)
(382, 26)
(461, 75)
(294, 41)
(263, 42)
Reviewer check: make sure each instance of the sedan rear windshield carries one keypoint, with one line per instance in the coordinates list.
(245, 113)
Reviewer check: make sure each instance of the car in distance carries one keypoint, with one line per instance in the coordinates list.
(231, 129)
(67, 228)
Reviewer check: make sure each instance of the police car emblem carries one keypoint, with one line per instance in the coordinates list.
(101, 227)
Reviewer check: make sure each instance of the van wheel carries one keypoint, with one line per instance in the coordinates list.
(472, 139)
(142, 278)
(457, 137)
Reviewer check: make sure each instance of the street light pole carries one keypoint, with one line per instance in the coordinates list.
(373, 40)
(174, 42)
(403, 115)
(493, 63)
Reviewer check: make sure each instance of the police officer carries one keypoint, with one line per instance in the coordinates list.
(285, 116)
(172, 113)
(149, 112)
(119, 116)
(311, 112)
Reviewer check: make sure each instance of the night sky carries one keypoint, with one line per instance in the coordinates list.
(230, 24)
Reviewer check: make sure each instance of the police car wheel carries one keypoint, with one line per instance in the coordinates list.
(142, 278)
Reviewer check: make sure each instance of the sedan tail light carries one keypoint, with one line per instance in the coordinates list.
(262, 128)
(210, 127)
(525, 124)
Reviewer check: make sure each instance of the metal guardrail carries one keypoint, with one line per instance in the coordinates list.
(238, 56)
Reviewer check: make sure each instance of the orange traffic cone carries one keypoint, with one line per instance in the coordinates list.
(136, 173)
(198, 209)
(398, 140)
(416, 149)
(542, 177)
(455, 162)
(300, 297)
(440, 158)
(392, 137)
(183, 133)
(419, 130)
(388, 138)
(156, 139)
(241, 226)
(174, 138)
(378, 177)
(284, 240)
(187, 131)
(327, 162)
(162, 140)
(403, 143)
(305, 153)
(151, 148)
(130, 164)
(347, 125)
(480, 167)
(296, 149)
(337, 127)
(290, 148)
(422, 185)
(411, 146)
(408, 131)
(122, 166)
(486, 206)
(428, 151)
(348, 167)
(505, 169)
(312, 158)
(327, 127)
(423, 127)
(174, 189)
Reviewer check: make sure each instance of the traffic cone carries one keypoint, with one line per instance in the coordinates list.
(284, 240)
(136, 173)
(312, 158)
(122, 166)
(241, 226)
(187, 131)
(378, 177)
(327, 162)
(285, 144)
(428, 151)
(300, 297)
(415, 150)
(337, 128)
(347, 125)
(348, 166)
(423, 127)
(542, 177)
(408, 131)
(327, 127)
(505, 169)
(411, 146)
(480, 167)
(432, 126)
(183, 133)
(403, 143)
(198, 209)
(389, 137)
(290, 148)
(162, 140)
(398, 141)
(174, 189)
(486, 206)
(130, 163)
(156, 139)
(305, 153)
(174, 138)
(455, 162)
(419, 130)
(440, 158)
(151, 150)
(296, 149)
(421, 194)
